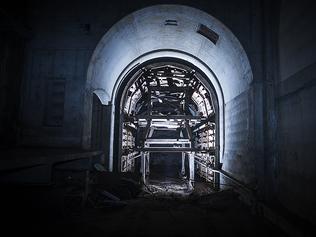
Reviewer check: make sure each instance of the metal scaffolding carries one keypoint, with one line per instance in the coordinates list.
(169, 98)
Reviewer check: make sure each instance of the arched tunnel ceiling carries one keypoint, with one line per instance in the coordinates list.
(174, 28)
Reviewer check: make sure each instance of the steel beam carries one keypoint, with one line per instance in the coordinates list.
(191, 170)
(143, 167)
(168, 149)
(210, 118)
(170, 89)
(181, 117)
(147, 159)
(167, 141)
(183, 164)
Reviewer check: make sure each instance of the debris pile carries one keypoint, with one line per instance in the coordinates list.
(111, 189)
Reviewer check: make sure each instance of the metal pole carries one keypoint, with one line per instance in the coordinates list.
(143, 166)
(147, 162)
(191, 169)
(183, 162)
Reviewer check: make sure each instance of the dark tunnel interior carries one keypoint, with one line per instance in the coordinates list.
(166, 112)
(157, 118)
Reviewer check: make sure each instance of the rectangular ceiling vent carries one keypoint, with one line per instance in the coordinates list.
(208, 33)
(171, 22)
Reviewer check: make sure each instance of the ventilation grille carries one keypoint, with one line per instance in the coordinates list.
(208, 33)
(171, 22)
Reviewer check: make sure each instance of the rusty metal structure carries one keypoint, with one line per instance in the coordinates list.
(169, 97)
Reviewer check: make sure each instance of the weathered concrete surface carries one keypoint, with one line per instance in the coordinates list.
(63, 50)
(145, 31)
(11, 63)
(63, 37)
(295, 168)
(239, 157)
(65, 33)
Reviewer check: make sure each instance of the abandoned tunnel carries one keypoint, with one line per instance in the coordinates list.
(167, 117)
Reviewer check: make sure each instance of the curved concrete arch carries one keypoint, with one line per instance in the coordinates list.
(143, 35)
(180, 56)
(144, 31)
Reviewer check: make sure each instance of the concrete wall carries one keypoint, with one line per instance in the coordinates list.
(64, 35)
(136, 35)
(270, 125)
(239, 141)
(11, 73)
(12, 41)
(296, 96)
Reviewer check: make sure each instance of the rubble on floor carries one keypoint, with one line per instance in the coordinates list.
(122, 208)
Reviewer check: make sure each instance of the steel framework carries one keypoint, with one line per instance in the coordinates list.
(168, 97)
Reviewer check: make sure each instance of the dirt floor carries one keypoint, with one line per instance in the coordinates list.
(219, 214)
(52, 211)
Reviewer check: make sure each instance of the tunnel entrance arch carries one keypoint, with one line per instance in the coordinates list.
(167, 106)
(168, 31)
